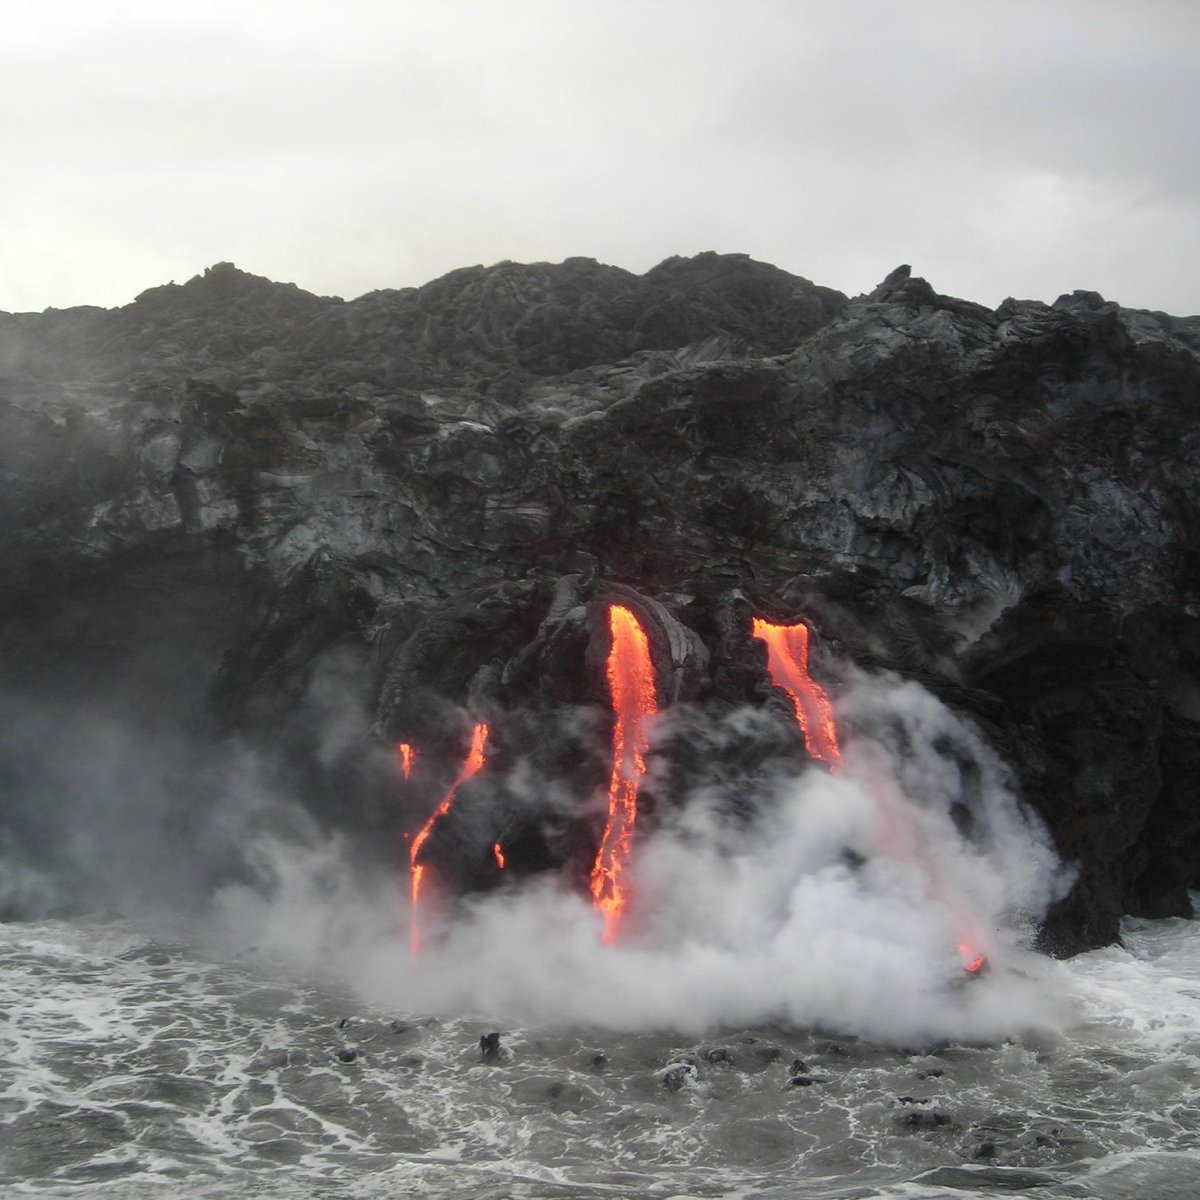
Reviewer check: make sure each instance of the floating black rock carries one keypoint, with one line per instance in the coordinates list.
(489, 1047)
(926, 1118)
(677, 1075)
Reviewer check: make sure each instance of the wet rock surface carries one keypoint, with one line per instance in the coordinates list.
(232, 499)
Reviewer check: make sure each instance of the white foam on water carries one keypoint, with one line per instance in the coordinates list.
(1147, 990)
(543, 1124)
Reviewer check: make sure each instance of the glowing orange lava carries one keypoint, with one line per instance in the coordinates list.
(787, 664)
(474, 760)
(974, 961)
(406, 754)
(498, 853)
(631, 682)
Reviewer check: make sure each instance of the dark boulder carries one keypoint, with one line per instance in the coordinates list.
(677, 1076)
(922, 1119)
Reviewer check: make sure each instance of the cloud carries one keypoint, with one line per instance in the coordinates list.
(353, 146)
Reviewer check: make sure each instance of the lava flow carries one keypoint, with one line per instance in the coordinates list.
(406, 755)
(974, 961)
(787, 664)
(631, 682)
(498, 854)
(474, 760)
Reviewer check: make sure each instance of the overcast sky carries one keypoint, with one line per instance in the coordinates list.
(1024, 148)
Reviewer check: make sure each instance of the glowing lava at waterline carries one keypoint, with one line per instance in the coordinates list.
(787, 664)
(974, 962)
(630, 674)
(474, 760)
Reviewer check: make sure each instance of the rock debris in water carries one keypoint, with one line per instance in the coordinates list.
(490, 1050)
(208, 1080)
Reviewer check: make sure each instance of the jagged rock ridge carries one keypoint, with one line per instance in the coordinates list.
(442, 485)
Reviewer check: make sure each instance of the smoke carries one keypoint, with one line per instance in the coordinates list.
(336, 705)
(838, 905)
(810, 898)
(100, 813)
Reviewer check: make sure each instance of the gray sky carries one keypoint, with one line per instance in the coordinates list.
(1024, 148)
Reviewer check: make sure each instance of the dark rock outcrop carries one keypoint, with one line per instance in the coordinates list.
(231, 499)
(490, 1050)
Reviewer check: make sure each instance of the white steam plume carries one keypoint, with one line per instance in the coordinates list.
(838, 906)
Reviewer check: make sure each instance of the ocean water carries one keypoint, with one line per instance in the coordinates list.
(135, 1067)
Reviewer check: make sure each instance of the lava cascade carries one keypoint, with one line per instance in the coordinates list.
(787, 664)
(630, 673)
(498, 854)
(406, 756)
(471, 765)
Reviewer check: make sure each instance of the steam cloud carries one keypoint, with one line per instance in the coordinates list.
(837, 906)
(836, 903)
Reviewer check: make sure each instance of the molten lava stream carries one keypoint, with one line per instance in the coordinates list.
(974, 961)
(474, 760)
(406, 756)
(630, 674)
(787, 664)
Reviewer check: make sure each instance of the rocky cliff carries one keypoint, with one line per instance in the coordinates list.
(231, 504)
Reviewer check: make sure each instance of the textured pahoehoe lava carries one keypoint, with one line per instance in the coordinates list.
(474, 761)
(631, 682)
(787, 663)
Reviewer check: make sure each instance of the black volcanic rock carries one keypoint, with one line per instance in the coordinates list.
(233, 490)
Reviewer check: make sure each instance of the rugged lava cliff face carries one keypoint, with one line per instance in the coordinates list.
(235, 506)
